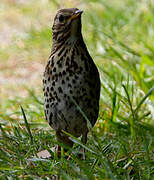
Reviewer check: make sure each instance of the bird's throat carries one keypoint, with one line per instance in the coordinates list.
(75, 29)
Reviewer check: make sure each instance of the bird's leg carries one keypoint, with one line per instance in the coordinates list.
(84, 141)
(61, 137)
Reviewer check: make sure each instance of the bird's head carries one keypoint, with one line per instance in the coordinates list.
(67, 24)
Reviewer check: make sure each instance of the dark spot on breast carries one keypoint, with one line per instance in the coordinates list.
(48, 63)
(76, 77)
(52, 104)
(52, 61)
(67, 78)
(60, 74)
(50, 118)
(55, 93)
(60, 90)
(60, 52)
(73, 81)
(71, 91)
(64, 72)
(75, 65)
(53, 83)
(56, 77)
(83, 89)
(63, 82)
(47, 106)
(70, 73)
(48, 89)
(59, 62)
(46, 94)
(48, 78)
(65, 95)
(81, 69)
(51, 88)
(69, 85)
(54, 69)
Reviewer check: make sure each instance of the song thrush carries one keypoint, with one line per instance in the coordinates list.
(70, 76)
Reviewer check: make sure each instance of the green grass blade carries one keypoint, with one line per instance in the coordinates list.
(144, 98)
(27, 125)
(129, 101)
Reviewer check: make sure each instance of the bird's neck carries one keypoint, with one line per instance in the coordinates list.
(67, 40)
(68, 36)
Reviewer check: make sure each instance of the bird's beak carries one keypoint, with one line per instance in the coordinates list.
(76, 14)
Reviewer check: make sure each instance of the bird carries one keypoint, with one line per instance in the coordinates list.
(71, 81)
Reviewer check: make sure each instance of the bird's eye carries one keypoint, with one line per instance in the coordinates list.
(61, 18)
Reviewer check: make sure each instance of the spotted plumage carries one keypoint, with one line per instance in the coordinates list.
(70, 79)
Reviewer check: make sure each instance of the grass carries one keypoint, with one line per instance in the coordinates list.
(119, 35)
